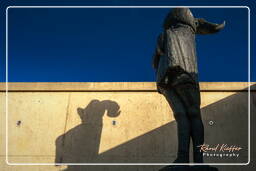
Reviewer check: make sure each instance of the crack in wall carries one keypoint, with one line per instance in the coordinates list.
(66, 121)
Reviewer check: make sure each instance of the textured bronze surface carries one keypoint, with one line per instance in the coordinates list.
(175, 62)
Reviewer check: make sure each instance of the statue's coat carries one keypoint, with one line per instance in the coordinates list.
(176, 46)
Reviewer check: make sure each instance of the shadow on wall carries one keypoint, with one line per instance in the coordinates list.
(81, 144)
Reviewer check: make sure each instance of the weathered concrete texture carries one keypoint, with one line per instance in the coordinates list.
(113, 86)
(48, 124)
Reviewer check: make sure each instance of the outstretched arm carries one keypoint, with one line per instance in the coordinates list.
(205, 27)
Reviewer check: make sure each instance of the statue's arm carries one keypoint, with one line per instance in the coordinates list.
(205, 27)
(156, 58)
(158, 52)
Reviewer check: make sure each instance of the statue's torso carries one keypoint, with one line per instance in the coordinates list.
(179, 49)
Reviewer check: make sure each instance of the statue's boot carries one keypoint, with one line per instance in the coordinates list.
(198, 157)
(181, 159)
(198, 139)
(183, 141)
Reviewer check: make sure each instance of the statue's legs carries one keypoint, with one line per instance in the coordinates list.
(190, 96)
(184, 100)
(183, 125)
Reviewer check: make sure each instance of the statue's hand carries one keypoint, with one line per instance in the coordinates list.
(205, 27)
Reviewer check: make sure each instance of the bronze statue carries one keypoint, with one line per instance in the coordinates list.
(175, 62)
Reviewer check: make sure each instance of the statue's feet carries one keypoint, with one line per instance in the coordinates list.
(181, 160)
(198, 157)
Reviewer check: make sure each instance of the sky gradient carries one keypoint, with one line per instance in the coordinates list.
(109, 45)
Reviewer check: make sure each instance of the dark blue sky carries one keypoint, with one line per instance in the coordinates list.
(94, 45)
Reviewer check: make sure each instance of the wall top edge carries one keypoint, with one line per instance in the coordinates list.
(117, 86)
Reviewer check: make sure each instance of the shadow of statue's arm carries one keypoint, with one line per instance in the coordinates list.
(112, 107)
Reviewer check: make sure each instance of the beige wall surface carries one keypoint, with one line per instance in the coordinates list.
(113, 123)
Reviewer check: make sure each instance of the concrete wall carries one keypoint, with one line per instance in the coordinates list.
(112, 123)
